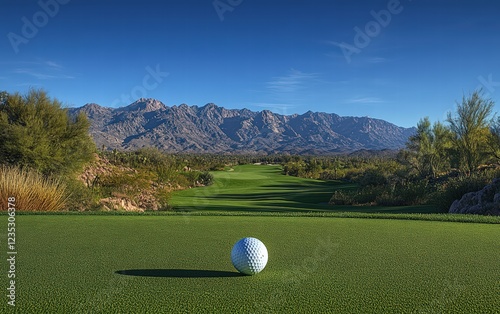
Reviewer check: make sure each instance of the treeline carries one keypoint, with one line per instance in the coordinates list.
(201, 162)
(441, 162)
(40, 142)
(49, 161)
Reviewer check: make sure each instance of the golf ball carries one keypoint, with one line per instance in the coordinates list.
(249, 256)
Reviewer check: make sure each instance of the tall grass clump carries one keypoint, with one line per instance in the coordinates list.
(32, 191)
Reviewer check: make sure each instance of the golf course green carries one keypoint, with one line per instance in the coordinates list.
(180, 262)
(264, 189)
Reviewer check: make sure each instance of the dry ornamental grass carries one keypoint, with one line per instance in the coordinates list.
(31, 190)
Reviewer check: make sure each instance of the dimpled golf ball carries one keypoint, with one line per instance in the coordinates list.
(249, 256)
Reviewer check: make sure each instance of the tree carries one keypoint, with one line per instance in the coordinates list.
(442, 146)
(494, 139)
(470, 128)
(3, 97)
(36, 132)
(430, 148)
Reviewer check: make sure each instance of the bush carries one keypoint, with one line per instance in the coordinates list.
(32, 191)
(36, 132)
(80, 197)
(373, 177)
(206, 178)
(341, 198)
(455, 188)
(362, 196)
(410, 193)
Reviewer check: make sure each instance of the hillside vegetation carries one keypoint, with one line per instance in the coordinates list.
(441, 163)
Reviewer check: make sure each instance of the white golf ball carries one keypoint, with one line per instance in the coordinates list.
(249, 256)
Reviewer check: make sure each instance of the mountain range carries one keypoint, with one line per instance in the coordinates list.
(213, 129)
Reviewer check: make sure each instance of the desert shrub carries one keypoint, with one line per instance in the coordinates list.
(36, 132)
(33, 192)
(372, 177)
(296, 169)
(340, 197)
(217, 167)
(414, 193)
(327, 175)
(362, 196)
(194, 178)
(163, 199)
(404, 194)
(80, 197)
(128, 183)
(166, 172)
(190, 177)
(205, 178)
(454, 188)
(409, 193)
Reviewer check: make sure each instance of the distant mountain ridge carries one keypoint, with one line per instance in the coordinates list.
(213, 129)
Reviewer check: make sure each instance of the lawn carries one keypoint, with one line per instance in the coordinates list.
(181, 264)
(265, 189)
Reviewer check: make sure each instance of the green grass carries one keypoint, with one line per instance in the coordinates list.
(181, 264)
(264, 189)
(320, 259)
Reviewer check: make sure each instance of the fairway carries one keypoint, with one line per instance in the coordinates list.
(263, 188)
(181, 264)
(256, 188)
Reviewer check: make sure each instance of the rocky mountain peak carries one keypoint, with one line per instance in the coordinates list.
(145, 105)
(213, 129)
(94, 110)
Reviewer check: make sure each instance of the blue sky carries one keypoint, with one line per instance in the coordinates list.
(393, 60)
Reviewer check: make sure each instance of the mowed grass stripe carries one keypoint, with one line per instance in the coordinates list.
(69, 264)
(263, 188)
(257, 188)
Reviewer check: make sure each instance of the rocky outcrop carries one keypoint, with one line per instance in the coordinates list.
(484, 202)
(116, 203)
(213, 129)
(129, 197)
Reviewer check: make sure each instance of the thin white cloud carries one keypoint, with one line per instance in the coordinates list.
(28, 84)
(54, 65)
(377, 60)
(280, 108)
(42, 76)
(294, 81)
(39, 70)
(365, 100)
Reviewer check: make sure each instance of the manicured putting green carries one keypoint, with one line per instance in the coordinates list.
(181, 264)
